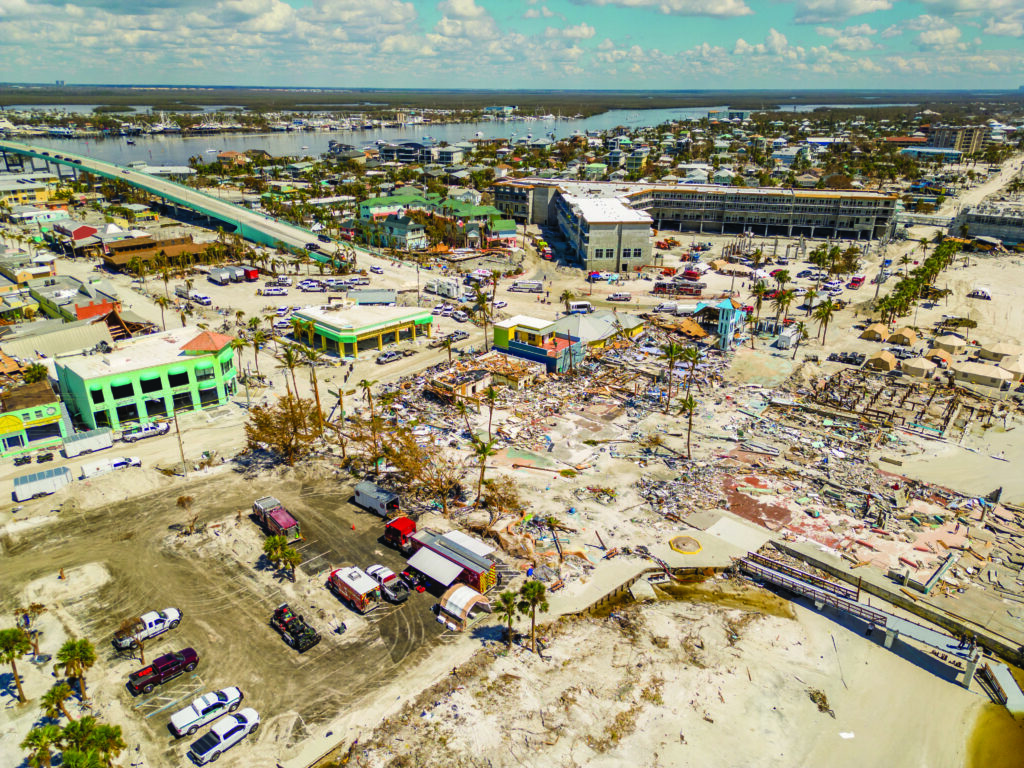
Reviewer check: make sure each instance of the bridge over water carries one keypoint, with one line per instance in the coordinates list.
(234, 218)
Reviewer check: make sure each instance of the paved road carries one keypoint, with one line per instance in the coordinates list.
(250, 224)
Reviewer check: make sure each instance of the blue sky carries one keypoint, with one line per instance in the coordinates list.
(644, 44)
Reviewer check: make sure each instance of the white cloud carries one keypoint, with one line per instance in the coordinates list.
(714, 8)
(854, 38)
(461, 9)
(823, 11)
(775, 45)
(536, 13)
(1011, 26)
(581, 31)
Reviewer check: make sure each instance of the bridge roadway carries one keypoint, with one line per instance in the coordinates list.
(249, 224)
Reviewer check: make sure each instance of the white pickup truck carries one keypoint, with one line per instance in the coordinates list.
(150, 625)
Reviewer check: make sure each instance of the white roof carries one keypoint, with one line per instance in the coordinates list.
(357, 579)
(461, 599)
(525, 321)
(135, 354)
(361, 316)
(607, 210)
(466, 541)
(440, 569)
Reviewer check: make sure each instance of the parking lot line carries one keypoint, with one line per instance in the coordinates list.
(158, 700)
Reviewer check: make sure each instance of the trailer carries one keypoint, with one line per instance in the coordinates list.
(42, 483)
(376, 499)
(103, 466)
(355, 587)
(88, 442)
(275, 519)
(237, 274)
(398, 533)
(219, 276)
(250, 274)
(447, 287)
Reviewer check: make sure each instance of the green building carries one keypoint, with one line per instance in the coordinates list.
(30, 418)
(147, 378)
(362, 328)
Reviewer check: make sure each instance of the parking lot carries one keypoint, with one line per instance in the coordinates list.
(227, 602)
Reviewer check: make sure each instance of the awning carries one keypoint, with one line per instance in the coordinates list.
(466, 541)
(440, 569)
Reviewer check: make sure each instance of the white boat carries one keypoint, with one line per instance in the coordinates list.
(213, 150)
(303, 147)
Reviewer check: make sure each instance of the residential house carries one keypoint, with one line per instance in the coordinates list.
(69, 298)
(726, 317)
(231, 157)
(538, 341)
(404, 233)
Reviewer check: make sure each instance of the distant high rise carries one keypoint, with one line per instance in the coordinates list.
(968, 139)
(60, 83)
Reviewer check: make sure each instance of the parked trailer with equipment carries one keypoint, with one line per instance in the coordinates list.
(87, 442)
(275, 519)
(376, 499)
(41, 483)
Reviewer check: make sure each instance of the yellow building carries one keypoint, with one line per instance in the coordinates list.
(25, 188)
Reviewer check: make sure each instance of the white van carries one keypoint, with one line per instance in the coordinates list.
(459, 316)
(580, 307)
(101, 467)
(668, 307)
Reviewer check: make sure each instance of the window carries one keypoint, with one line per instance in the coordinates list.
(128, 412)
(97, 396)
(205, 374)
(225, 368)
(208, 397)
(43, 432)
(102, 418)
(151, 385)
(177, 379)
(122, 391)
(183, 401)
(14, 441)
(156, 407)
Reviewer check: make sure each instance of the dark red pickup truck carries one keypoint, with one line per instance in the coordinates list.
(163, 668)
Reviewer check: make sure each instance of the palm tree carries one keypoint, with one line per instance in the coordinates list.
(253, 324)
(566, 297)
(165, 275)
(259, 338)
(53, 702)
(35, 372)
(239, 317)
(782, 277)
(801, 334)
(532, 599)
(758, 293)
(688, 406)
(507, 609)
(292, 559)
(163, 302)
(77, 733)
(823, 314)
(39, 742)
(238, 345)
(14, 644)
(367, 385)
(77, 758)
(670, 353)
(809, 298)
(314, 355)
(290, 360)
(447, 344)
(108, 741)
(786, 299)
(483, 451)
(690, 355)
(274, 547)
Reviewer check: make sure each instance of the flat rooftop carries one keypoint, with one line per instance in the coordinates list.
(363, 318)
(27, 396)
(606, 210)
(134, 354)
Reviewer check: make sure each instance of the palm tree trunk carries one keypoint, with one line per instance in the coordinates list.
(81, 686)
(533, 628)
(480, 481)
(64, 711)
(689, 431)
(17, 681)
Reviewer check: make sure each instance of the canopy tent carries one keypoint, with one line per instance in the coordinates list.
(950, 343)
(1014, 365)
(461, 605)
(875, 332)
(904, 337)
(440, 569)
(937, 355)
(919, 366)
(1000, 350)
(881, 361)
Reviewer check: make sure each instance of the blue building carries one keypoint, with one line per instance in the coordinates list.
(933, 154)
(727, 317)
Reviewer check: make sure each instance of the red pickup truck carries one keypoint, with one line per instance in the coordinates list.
(163, 668)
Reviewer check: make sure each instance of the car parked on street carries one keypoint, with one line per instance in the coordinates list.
(142, 431)
(205, 709)
(620, 297)
(377, 270)
(223, 735)
(388, 357)
(500, 304)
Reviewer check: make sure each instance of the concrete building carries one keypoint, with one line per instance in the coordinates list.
(347, 332)
(604, 233)
(30, 418)
(146, 379)
(723, 209)
(1003, 221)
(968, 139)
(538, 341)
(25, 188)
(69, 298)
(20, 268)
(933, 154)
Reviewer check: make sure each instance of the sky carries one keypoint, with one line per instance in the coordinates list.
(518, 44)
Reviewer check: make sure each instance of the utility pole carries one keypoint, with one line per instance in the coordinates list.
(181, 447)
